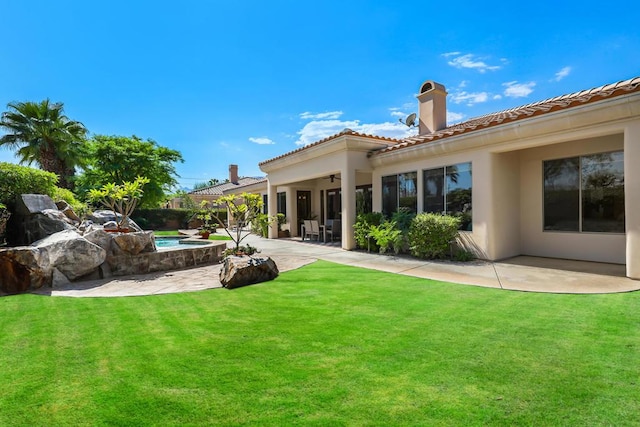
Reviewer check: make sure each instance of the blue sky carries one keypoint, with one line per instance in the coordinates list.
(242, 82)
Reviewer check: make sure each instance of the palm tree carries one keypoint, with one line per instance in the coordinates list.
(41, 133)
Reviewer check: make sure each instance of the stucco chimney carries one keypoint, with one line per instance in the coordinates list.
(432, 108)
(233, 174)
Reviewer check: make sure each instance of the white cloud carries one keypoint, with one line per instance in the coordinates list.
(321, 116)
(470, 98)
(398, 114)
(454, 117)
(564, 72)
(518, 90)
(321, 129)
(496, 97)
(470, 61)
(261, 141)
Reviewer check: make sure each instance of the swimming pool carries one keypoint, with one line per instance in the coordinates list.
(174, 242)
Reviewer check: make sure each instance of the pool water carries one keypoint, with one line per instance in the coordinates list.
(174, 242)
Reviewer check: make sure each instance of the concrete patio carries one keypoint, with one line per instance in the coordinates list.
(520, 273)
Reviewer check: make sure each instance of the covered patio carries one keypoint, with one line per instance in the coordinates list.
(329, 182)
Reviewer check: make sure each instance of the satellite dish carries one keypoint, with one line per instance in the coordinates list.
(410, 121)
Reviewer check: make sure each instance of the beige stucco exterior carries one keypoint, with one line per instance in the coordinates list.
(507, 178)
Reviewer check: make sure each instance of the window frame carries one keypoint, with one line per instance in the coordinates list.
(581, 194)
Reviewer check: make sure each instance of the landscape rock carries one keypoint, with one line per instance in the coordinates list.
(27, 204)
(68, 211)
(135, 243)
(240, 271)
(102, 216)
(23, 269)
(99, 237)
(73, 255)
(35, 217)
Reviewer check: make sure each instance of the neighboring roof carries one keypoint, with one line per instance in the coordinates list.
(523, 112)
(219, 189)
(391, 141)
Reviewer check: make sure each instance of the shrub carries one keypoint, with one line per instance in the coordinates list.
(162, 219)
(403, 217)
(16, 180)
(387, 236)
(463, 256)
(430, 234)
(4, 217)
(244, 249)
(260, 224)
(362, 228)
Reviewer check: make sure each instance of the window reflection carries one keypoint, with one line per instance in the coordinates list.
(585, 193)
(562, 194)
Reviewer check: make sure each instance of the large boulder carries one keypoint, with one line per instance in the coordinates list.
(135, 243)
(110, 220)
(23, 269)
(61, 257)
(35, 217)
(240, 271)
(99, 237)
(73, 255)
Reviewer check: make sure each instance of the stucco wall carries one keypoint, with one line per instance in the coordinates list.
(507, 202)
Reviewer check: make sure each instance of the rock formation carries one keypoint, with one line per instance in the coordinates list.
(240, 271)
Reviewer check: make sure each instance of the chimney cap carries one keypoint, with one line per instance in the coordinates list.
(430, 85)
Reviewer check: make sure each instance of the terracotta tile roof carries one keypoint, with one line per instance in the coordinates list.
(523, 112)
(329, 138)
(217, 190)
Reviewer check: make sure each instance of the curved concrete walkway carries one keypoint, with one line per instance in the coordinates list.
(521, 273)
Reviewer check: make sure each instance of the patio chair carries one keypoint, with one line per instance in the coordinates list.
(307, 229)
(334, 229)
(314, 230)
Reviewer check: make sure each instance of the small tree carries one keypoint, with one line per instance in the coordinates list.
(121, 199)
(242, 210)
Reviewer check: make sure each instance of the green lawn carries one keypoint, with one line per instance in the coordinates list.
(218, 236)
(323, 345)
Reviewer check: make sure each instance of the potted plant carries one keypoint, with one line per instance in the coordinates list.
(122, 199)
(206, 214)
(282, 220)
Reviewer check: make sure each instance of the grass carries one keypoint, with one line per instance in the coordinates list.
(323, 345)
(176, 233)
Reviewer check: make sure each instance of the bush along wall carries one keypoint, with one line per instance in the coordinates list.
(431, 235)
(425, 235)
(167, 219)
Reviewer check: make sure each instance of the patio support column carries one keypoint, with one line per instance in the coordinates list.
(632, 198)
(272, 208)
(348, 189)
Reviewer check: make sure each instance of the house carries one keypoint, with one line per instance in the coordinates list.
(555, 178)
(233, 185)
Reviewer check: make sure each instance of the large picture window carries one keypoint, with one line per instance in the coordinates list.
(400, 191)
(585, 193)
(447, 190)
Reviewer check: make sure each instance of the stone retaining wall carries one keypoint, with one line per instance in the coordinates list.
(169, 259)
